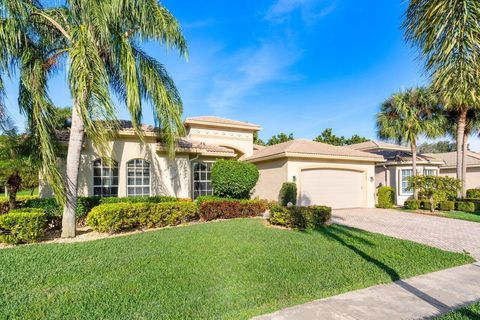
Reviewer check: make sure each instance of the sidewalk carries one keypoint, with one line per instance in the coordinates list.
(414, 298)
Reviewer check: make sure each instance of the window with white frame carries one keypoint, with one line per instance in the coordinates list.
(138, 178)
(429, 172)
(404, 175)
(202, 181)
(105, 178)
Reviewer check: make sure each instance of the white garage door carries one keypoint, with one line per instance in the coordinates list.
(332, 187)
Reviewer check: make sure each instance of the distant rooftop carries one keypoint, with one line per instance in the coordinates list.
(217, 121)
(450, 158)
(370, 145)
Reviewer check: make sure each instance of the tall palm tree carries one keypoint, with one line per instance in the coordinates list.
(408, 115)
(472, 127)
(99, 44)
(447, 34)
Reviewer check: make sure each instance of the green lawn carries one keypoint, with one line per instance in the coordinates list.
(468, 313)
(231, 269)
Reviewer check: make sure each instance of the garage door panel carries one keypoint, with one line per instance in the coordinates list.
(332, 187)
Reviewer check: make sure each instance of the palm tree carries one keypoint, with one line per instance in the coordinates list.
(472, 127)
(408, 115)
(99, 44)
(447, 34)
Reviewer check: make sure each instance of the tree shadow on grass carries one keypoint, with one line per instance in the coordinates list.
(333, 233)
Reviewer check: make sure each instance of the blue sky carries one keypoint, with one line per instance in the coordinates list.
(289, 65)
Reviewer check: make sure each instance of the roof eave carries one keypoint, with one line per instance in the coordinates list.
(314, 156)
(252, 127)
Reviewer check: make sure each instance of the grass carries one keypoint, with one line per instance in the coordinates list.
(468, 313)
(460, 215)
(229, 269)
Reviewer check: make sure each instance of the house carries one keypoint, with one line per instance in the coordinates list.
(327, 175)
(396, 169)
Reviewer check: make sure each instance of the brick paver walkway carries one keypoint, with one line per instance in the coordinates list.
(448, 234)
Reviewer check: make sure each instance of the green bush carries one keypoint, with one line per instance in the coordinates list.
(288, 193)
(411, 204)
(475, 201)
(154, 199)
(85, 204)
(22, 225)
(466, 206)
(473, 193)
(300, 218)
(116, 217)
(427, 205)
(386, 197)
(234, 179)
(53, 211)
(447, 205)
(216, 208)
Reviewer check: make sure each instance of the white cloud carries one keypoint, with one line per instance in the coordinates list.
(310, 10)
(247, 72)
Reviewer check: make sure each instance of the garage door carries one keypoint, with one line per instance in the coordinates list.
(332, 187)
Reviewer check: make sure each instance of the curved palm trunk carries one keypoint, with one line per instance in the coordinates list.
(464, 165)
(462, 120)
(73, 161)
(413, 146)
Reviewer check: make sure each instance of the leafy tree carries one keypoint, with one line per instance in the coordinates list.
(435, 188)
(19, 165)
(99, 44)
(280, 138)
(327, 136)
(437, 147)
(257, 140)
(447, 34)
(62, 118)
(406, 116)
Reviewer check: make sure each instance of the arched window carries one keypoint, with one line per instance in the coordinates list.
(138, 178)
(105, 178)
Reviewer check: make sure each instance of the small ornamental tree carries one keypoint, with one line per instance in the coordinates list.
(234, 179)
(288, 193)
(434, 188)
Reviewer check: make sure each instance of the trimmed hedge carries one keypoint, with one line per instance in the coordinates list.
(466, 206)
(234, 179)
(22, 225)
(53, 211)
(412, 204)
(426, 205)
(473, 193)
(116, 217)
(300, 218)
(446, 205)
(153, 199)
(288, 193)
(386, 197)
(216, 208)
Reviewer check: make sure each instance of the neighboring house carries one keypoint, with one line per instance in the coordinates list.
(398, 166)
(326, 175)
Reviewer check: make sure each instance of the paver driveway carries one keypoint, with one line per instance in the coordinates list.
(448, 234)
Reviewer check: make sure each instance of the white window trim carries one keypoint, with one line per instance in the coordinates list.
(111, 177)
(193, 176)
(134, 186)
(400, 180)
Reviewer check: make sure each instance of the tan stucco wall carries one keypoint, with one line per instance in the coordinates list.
(295, 166)
(473, 176)
(272, 175)
(238, 139)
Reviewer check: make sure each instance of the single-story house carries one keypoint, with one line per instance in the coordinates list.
(397, 167)
(340, 177)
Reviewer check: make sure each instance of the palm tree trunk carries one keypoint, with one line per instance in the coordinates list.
(13, 185)
(464, 166)
(73, 162)
(413, 146)
(462, 120)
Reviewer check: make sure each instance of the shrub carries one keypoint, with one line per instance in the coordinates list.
(412, 204)
(447, 205)
(473, 193)
(475, 201)
(386, 197)
(427, 205)
(300, 218)
(85, 204)
(22, 225)
(116, 217)
(154, 199)
(53, 211)
(435, 188)
(230, 208)
(288, 193)
(466, 206)
(234, 179)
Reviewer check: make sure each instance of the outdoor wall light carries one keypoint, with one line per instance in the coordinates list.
(294, 178)
(372, 179)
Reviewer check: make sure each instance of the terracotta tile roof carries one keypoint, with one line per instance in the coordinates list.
(450, 158)
(369, 145)
(305, 147)
(220, 121)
